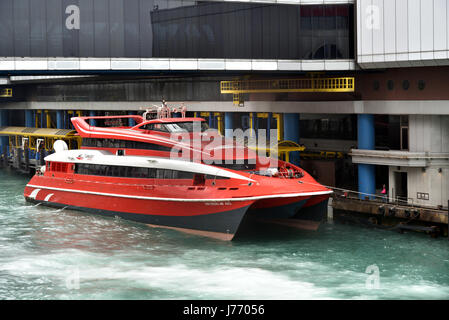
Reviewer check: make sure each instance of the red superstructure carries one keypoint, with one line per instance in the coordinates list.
(143, 174)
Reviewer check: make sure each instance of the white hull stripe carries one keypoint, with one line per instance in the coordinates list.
(47, 198)
(272, 196)
(33, 194)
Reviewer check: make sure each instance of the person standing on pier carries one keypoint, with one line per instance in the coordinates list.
(384, 194)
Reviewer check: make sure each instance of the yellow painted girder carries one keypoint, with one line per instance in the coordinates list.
(336, 84)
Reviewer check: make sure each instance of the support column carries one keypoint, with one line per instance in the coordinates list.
(48, 118)
(59, 119)
(30, 122)
(367, 172)
(291, 132)
(270, 116)
(131, 122)
(251, 123)
(4, 140)
(29, 118)
(229, 123)
(42, 119)
(92, 122)
(211, 120)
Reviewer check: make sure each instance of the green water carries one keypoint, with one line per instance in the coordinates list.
(61, 254)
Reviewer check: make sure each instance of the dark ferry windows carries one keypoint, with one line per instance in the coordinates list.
(59, 167)
(140, 172)
(132, 172)
(184, 175)
(155, 127)
(199, 179)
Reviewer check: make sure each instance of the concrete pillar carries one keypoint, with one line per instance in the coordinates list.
(30, 122)
(29, 118)
(229, 124)
(131, 122)
(211, 120)
(291, 132)
(42, 120)
(4, 140)
(92, 122)
(270, 116)
(59, 119)
(367, 172)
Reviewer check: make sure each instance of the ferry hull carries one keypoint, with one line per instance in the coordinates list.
(210, 219)
(277, 208)
(304, 214)
(315, 209)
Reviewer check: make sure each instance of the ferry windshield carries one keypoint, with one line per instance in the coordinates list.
(177, 126)
(186, 126)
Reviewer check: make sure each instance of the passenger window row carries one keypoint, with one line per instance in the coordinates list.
(135, 172)
(125, 144)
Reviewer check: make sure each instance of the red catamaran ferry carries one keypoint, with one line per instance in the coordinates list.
(131, 172)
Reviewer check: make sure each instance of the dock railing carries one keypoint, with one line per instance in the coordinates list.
(381, 199)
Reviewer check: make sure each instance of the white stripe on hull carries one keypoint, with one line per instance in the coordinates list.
(33, 194)
(272, 196)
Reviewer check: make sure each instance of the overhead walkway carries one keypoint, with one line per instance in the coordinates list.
(310, 84)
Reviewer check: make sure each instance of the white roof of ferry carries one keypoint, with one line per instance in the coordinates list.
(106, 158)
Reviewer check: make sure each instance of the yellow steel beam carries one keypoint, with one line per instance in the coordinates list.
(280, 125)
(336, 84)
(48, 119)
(219, 117)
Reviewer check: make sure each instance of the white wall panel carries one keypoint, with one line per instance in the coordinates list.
(367, 28)
(414, 22)
(440, 24)
(427, 21)
(401, 26)
(402, 33)
(378, 29)
(389, 28)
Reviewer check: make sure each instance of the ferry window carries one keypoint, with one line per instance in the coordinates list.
(187, 126)
(155, 127)
(59, 167)
(238, 166)
(151, 173)
(140, 172)
(117, 144)
(160, 173)
(134, 172)
(183, 175)
(115, 171)
(199, 179)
